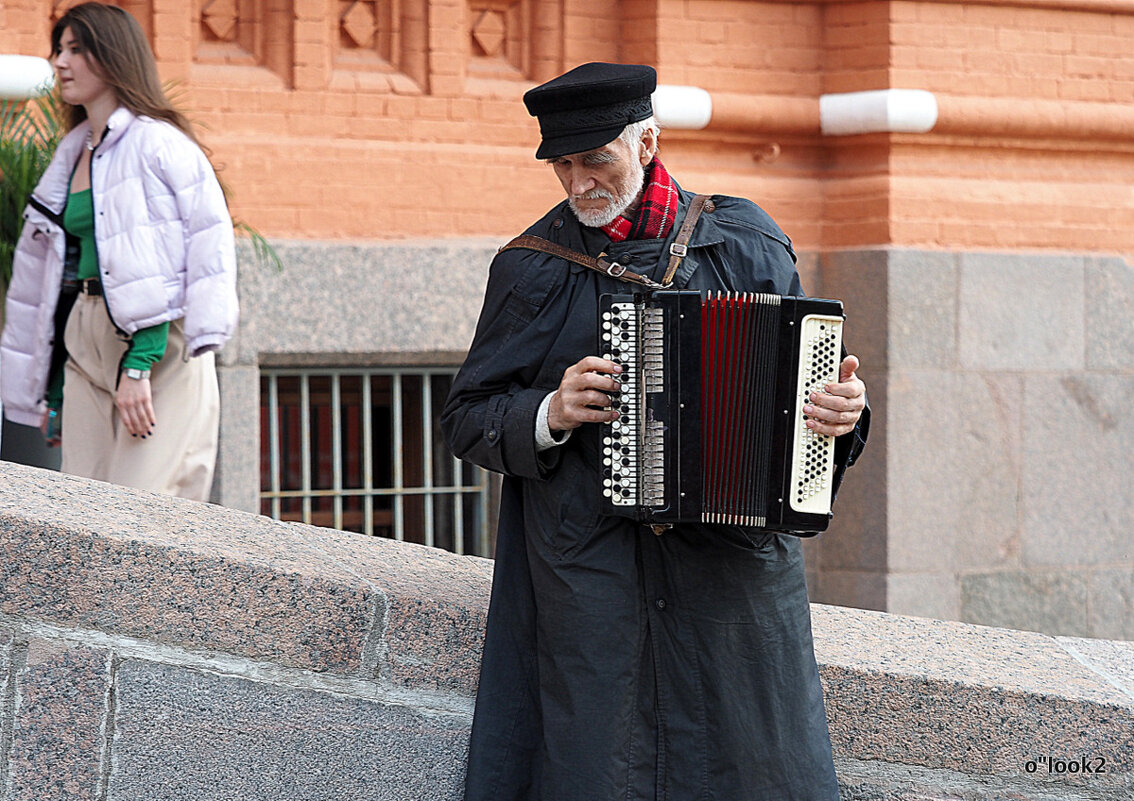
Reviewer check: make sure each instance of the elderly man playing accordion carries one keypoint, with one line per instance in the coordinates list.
(620, 663)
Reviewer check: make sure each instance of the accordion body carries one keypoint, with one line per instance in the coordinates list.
(711, 426)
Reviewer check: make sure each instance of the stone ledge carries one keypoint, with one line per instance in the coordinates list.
(976, 700)
(89, 555)
(197, 642)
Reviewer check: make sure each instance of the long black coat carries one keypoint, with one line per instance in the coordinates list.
(619, 664)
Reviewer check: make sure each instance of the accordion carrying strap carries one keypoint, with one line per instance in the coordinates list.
(613, 269)
(601, 264)
(680, 245)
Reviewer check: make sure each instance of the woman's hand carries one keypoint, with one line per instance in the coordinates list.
(51, 428)
(135, 405)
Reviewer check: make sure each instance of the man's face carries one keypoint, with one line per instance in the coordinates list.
(604, 182)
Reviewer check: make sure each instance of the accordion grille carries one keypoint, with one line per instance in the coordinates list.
(738, 370)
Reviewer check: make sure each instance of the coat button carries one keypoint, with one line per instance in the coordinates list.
(558, 223)
(492, 434)
(660, 603)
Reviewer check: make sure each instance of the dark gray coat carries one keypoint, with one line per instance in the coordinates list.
(619, 664)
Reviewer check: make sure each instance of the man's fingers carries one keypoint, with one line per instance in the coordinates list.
(595, 364)
(847, 369)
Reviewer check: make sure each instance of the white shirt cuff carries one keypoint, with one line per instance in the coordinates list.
(545, 439)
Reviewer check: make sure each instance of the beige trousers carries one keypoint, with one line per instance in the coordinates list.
(179, 456)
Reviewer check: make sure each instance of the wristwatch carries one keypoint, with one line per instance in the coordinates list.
(137, 375)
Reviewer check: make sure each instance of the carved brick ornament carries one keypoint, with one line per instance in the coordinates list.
(359, 24)
(218, 18)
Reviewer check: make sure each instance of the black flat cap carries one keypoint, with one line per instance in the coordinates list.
(589, 106)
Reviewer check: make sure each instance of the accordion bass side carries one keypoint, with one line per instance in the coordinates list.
(711, 426)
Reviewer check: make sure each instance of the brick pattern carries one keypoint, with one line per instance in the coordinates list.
(1017, 195)
(326, 129)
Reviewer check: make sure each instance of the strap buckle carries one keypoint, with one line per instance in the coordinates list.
(679, 250)
(615, 270)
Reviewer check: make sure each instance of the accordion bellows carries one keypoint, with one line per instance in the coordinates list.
(711, 426)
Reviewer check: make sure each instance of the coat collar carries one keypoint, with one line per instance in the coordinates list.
(55, 185)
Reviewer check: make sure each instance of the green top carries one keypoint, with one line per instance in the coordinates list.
(147, 346)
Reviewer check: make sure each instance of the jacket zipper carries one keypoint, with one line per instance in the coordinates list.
(56, 219)
(38, 205)
(105, 299)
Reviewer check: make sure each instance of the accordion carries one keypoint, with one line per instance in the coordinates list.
(711, 426)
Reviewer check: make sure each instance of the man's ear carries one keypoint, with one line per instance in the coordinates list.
(648, 147)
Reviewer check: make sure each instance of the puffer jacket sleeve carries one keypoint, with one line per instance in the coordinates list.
(25, 341)
(37, 270)
(211, 307)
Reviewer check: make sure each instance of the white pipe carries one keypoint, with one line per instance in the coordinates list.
(881, 111)
(686, 107)
(23, 77)
(847, 113)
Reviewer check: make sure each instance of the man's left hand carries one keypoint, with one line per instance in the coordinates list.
(835, 411)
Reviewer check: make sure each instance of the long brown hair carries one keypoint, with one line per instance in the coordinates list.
(114, 43)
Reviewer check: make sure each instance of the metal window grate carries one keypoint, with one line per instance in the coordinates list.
(360, 450)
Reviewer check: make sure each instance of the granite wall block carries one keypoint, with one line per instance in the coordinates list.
(848, 561)
(921, 328)
(436, 605)
(953, 462)
(1076, 479)
(1021, 313)
(859, 278)
(1110, 333)
(93, 705)
(7, 702)
(359, 300)
(1110, 599)
(175, 571)
(976, 700)
(58, 745)
(928, 594)
(236, 482)
(1051, 601)
(863, 589)
(861, 780)
(999, 411)
(187, 735)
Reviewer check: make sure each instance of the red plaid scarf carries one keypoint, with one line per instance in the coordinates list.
(656, 213)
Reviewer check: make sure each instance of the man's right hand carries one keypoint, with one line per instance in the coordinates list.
(582, 395)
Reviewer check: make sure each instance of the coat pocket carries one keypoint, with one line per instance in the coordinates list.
(564, 508)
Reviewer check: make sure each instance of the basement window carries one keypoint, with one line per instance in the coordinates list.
(361, 450)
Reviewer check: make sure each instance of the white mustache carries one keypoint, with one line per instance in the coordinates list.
(594, 194)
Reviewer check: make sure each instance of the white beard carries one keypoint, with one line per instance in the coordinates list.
(597, 218)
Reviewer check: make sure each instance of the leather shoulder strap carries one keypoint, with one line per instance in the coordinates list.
(677, 250)
(601, 264)
(680, 246)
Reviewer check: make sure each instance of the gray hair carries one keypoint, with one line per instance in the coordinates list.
(632, 134)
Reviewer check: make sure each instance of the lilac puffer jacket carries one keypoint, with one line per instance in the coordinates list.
(165, 250)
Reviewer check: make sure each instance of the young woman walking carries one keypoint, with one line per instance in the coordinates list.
(124, 278)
